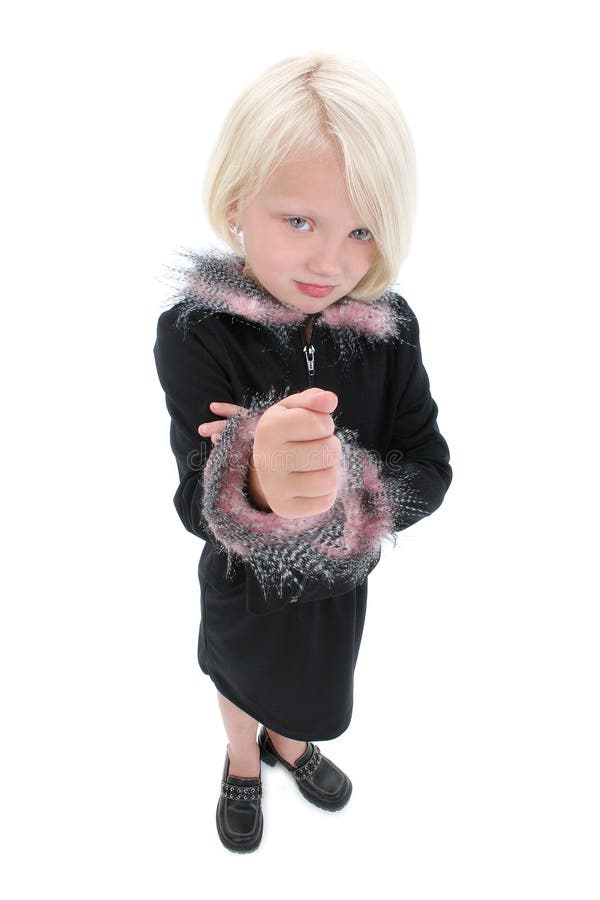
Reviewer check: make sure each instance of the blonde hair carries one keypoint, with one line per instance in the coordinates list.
(305, 103)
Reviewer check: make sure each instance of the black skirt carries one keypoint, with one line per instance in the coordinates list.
(291, 670)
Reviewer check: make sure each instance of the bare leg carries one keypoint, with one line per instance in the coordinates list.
(286, 747)
(244, 756)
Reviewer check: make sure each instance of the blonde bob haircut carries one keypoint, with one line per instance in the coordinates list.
(303, 104)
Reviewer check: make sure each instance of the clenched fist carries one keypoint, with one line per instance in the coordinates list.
(294, 465)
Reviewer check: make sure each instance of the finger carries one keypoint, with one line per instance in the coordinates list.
(302, 507)
(303, 456)
(225, 409)
(316, 399)
(313, 484)
(312, 456)
(209, 428)
(298, 424)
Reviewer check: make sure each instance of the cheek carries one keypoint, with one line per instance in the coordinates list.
(367, 259)
(284, 255)
(270, 254)
(271, 242)
(372, 252)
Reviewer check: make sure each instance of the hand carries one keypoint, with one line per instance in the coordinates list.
(214, 429)
(296, 453)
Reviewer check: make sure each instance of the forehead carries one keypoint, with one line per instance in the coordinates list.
(314, 180)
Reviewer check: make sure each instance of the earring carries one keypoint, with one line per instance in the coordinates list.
(239, 235)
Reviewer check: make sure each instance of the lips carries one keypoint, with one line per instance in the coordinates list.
(315, 290)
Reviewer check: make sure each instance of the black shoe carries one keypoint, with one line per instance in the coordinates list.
(320, 780)
(239, 812)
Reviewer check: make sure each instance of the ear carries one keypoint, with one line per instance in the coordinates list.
(232, 216)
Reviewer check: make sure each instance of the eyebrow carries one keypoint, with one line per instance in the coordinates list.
(292, 203)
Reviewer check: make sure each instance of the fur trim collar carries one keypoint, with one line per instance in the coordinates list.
(214, 282)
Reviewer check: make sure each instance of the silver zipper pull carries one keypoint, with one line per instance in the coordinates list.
(309, 353)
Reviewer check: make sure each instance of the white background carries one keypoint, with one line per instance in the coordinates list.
(474, 743)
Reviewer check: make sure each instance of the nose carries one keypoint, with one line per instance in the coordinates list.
(325, 260)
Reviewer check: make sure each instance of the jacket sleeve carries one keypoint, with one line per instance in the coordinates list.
(192, 377)
(415, 471)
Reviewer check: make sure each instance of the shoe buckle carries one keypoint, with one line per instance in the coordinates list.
(309, 767)
(237, 792)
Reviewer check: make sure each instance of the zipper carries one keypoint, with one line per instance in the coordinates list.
(309, 353)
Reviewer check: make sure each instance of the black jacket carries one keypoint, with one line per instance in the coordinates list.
(226, 339)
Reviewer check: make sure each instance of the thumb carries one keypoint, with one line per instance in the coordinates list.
(315, 399)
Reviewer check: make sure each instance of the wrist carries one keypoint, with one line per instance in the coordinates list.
(255, 491)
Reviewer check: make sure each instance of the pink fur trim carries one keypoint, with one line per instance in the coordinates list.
(251, 308)
(363, 530)
(359, 316)
(216, 282)
(233, 503)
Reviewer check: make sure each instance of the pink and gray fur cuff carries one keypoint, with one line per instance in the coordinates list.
(342, 542)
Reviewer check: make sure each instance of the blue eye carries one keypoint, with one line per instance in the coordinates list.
(291, 219)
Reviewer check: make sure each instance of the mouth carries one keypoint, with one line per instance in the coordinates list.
(315, 290)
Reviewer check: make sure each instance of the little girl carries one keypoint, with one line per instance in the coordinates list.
(301, 417)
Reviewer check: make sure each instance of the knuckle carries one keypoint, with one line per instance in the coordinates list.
(326, 425)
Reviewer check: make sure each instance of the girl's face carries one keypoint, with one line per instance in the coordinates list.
(302, 228)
